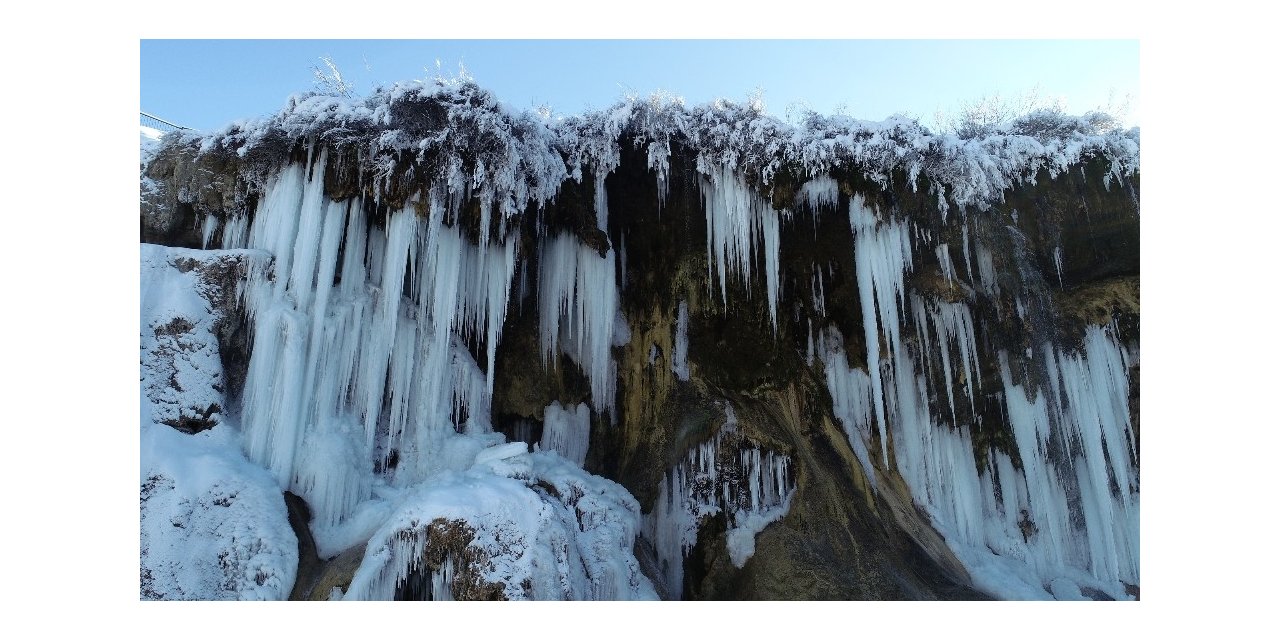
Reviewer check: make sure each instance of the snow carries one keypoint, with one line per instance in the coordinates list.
(149, 143)
(524, 157)
(213, 525)
(181, 371)
(569, 542)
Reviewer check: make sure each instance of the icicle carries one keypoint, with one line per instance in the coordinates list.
(235, 234)
(769, 229)
(206, 234)
(968, 265)
(442, 581)
(567, 431)
(944, 261)
(273, 410)
(987, 274)
(819, 193)
(819, 295)
(1090, 391)
(1057, 263)
(851, 396)
(680, 350)
(602, 203)
(344, 378)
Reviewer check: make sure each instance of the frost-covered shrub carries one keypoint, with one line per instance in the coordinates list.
(453, 135)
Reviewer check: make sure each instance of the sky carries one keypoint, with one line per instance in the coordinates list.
(205, 84)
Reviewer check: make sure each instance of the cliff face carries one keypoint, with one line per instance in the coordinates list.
(845, 361)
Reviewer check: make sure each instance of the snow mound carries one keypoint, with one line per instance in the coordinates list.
(214, 526)
(528, 526)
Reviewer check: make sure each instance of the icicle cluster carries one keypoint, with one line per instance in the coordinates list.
(578, 304)
(738, 221)
(820, 193)
(1067, 520)
(952, 323)
(753, 488)
(364, 360)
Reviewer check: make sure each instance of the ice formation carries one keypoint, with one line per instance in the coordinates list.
(739, 221)
(680, 348)
(820, 193)
(375, 329)
(567, 431)
(407, 302)
(851, 396)
(578, 307)
(882, 253)
(1068, 515)
(724, 474)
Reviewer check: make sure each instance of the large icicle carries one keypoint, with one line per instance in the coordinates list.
(882, 254)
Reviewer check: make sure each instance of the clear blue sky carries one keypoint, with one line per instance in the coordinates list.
(209, 83)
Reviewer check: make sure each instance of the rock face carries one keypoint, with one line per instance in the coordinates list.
(872, 364)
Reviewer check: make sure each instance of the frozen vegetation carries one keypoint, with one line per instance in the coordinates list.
(376, 318)
(472, 145)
